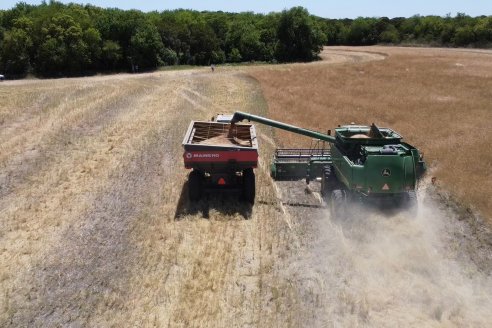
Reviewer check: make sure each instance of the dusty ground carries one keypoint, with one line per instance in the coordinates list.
(96, 230)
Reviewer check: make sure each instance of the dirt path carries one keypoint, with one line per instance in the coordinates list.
(96, 229)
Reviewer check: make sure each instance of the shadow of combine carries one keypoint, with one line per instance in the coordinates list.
(228, 204)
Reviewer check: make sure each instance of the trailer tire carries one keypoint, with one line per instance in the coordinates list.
(195, 185)
(338, 204)
(249, 191)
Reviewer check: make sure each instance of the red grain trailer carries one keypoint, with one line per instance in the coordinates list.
(222, 158)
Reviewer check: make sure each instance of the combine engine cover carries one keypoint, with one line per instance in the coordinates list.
(384, 170)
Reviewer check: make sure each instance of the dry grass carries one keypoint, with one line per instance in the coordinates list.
(439, 99)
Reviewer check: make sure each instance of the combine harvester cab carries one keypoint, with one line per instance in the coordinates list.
(221, 158)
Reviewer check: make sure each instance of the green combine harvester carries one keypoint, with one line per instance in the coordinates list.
(359, 163)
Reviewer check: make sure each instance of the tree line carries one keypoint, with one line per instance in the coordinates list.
(458, 31)
(54, 39)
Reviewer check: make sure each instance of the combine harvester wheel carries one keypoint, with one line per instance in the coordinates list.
(338, 204)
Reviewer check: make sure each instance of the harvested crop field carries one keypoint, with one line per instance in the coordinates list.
(96, 228)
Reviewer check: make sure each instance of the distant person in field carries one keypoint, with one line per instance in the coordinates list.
(212, 67)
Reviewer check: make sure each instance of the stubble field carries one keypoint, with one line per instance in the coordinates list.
(96, 229)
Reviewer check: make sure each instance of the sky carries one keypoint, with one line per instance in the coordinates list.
(327, 8)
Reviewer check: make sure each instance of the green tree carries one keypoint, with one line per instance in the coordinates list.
(111, 55)
(169, 57)
(92, 39)
(63, 48)
(14, 52)
(218, 57)
(268, 36)
(390, 35)
(245, 37)
(203, 42)
(235, 56)
(146, 48)
(66, 39)
(464, 36)
(332, 28)
(299, 36)
(408, 28)
(483, 30)
(362, 31)
(171, 30)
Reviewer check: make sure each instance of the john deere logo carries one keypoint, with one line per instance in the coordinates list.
(386, 173)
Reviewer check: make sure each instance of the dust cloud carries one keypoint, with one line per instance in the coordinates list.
(394, 271)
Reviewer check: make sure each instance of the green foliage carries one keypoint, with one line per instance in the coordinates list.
(56, 39)
(390, 35)
(63, 49)
(202, 43)
(362, 31)
(299, 36)
(15, 50)
(93, 40)
(111, 54)
(331, 29)
(463, 36)
(146, 48)
(235, 56)
(218, 57)
(245, 37)
(483, 30)
(169, 57)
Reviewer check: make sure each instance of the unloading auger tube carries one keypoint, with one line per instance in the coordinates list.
(239, 116)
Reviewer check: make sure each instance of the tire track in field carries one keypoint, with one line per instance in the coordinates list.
(62, 131)
(55, 183)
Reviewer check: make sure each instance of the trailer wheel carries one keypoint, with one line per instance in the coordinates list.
(338, 204)
(249, 186)
(195, 185)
